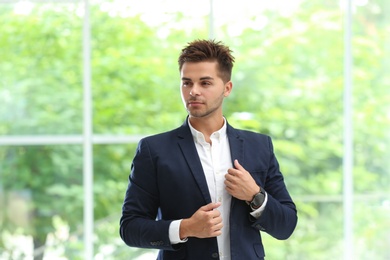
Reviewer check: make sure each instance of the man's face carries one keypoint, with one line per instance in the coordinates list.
(202, 90)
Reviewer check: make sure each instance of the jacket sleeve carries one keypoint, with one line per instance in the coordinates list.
(139, 226)
(279, 217)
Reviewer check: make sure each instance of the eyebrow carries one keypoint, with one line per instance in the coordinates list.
(202, 78)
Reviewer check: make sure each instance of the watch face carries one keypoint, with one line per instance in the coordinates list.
(258, 200)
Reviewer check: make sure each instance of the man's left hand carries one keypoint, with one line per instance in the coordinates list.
(240, 183)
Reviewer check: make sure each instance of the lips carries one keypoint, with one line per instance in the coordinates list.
(195, 103)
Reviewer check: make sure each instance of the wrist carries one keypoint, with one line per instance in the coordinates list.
(253, 194)
(258, 200)
(183, 234)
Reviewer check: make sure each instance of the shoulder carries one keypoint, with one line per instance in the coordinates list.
(160, 136)
(163, 144)
(247, 134)
(251, 139)
(168, 136)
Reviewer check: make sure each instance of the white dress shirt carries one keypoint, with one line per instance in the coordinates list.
(216, 160)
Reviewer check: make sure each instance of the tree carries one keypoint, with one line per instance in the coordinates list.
(288, 83)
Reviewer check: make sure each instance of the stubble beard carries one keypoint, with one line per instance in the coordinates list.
(202, 113)
(198, 113)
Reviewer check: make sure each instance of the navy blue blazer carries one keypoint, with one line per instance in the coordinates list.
(167, 183)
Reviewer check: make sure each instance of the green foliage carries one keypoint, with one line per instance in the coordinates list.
(37, 92)
(288, 83)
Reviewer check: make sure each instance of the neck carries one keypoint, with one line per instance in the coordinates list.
(207, 126)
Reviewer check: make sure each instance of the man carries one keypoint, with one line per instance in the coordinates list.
(205, 190)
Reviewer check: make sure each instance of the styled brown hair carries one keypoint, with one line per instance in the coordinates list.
(209, 50)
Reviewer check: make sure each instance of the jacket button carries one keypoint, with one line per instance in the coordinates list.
(214, 255)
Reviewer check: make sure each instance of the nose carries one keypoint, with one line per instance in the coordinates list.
(195, 90)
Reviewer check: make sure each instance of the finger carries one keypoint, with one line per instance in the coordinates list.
(218, 227)
(229, 176)
(233, 171)
(216, 233)
(211, 206)
(238, 165)
(215, 214)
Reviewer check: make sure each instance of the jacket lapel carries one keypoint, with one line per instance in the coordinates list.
(236, 145)
(187, 146)
(236, 151)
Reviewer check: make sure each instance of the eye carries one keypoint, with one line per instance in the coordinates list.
(206, 83)
(186, 83)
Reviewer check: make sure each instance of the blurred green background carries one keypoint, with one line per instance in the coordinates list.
(289, 80)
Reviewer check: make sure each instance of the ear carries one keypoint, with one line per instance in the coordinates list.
(228, 88)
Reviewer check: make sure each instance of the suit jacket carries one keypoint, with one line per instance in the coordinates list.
(167, 183)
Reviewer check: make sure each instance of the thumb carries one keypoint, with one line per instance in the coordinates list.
(211, 206)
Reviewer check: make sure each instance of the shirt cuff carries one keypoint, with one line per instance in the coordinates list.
(257, 212)
(174, 232)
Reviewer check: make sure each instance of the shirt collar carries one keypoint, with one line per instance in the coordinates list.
(199, 137)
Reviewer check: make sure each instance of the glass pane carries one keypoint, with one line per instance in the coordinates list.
(285, 82)
(40, 68)
(371, 79)
(135, 71)
(288, 83)
(41, 202)
(111, 170)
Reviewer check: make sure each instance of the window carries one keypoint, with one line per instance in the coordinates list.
(82, 82)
